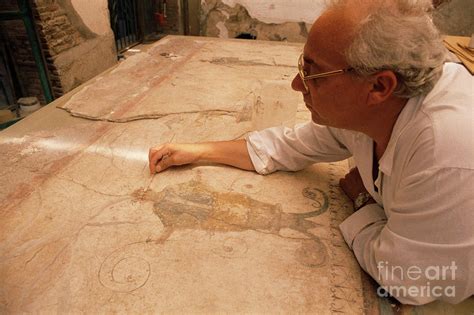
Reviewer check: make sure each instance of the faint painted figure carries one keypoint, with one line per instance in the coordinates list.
(194, 205)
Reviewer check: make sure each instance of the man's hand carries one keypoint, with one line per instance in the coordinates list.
(172, 154)
(352, 185)
(232, 153)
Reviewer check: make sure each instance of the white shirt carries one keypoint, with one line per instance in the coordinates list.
(417, 241)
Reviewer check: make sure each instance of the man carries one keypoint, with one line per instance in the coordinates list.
(372, 74)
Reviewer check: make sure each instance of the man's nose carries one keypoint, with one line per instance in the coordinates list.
(297, 84)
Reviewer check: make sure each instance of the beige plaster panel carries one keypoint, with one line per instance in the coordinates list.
(234, 80)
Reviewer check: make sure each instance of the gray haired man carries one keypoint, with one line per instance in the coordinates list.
(373, 76)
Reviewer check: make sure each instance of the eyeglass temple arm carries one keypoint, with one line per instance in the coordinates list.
(327, 74)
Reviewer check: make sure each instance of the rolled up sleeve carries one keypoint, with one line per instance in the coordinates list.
(371, 215)
(292, 149)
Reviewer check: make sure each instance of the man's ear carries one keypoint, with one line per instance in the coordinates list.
(383, 85)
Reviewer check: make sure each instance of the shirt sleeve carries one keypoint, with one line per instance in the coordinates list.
(283, 148)
(424, 251)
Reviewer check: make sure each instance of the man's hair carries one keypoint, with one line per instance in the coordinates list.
(396, 35)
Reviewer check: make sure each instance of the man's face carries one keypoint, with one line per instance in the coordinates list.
(336, 101)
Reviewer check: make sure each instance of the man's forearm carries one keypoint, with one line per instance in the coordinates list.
(233, 153)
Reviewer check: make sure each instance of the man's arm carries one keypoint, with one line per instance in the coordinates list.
(232, 153)
(265, 151)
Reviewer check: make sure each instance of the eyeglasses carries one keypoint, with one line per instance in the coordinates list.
(305, 77)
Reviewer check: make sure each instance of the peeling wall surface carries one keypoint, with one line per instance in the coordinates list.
(267, 20)
(281, 11)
